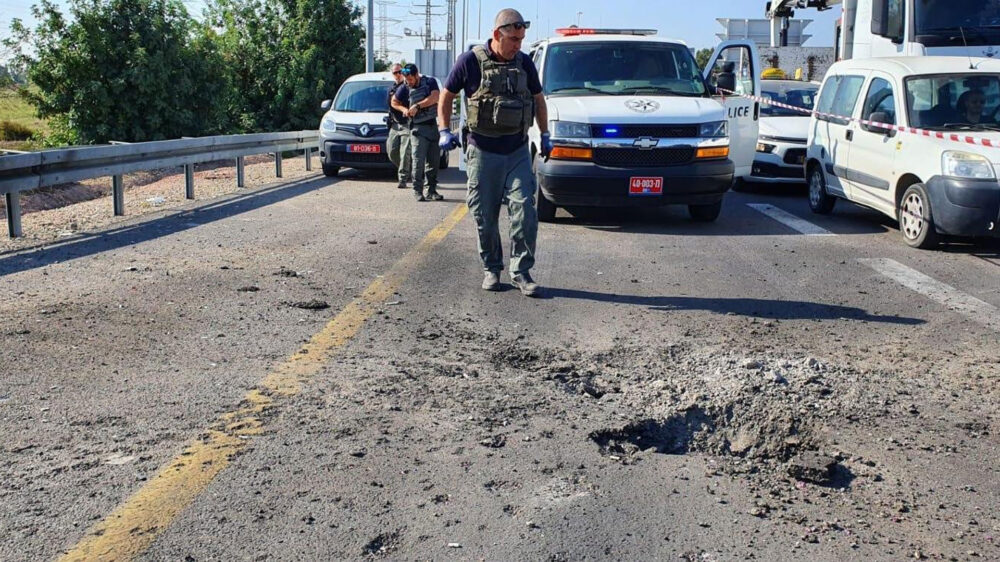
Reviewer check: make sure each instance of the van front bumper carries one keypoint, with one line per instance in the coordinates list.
(569, 183)
(965, 207)
(335, 153)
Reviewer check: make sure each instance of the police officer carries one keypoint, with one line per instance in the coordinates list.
(398, 143)
(417, 99)
(503, 94)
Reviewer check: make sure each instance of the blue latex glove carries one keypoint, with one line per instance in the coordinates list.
(546, 147)
(448, 140)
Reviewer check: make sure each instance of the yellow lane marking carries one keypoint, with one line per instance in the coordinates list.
(135, 524)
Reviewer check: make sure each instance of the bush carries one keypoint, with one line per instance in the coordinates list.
(11, 131)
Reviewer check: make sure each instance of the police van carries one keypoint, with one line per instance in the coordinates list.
(635, 122)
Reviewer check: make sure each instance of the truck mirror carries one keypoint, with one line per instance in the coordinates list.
(726, 81)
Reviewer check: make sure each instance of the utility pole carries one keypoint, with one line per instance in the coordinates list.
(383, 21)
(451, 28)
(370, 38)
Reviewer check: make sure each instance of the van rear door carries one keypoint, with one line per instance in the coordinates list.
(743, 113)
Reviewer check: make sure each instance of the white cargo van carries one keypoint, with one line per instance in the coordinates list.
(931, 185)
(635, 122)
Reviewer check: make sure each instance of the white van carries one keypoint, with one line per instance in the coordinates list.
(933, 186)
(354, 130)
(635, 122)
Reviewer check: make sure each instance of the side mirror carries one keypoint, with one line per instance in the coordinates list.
(881, 24)
(881, 117)
(726, 81)
(325, 106)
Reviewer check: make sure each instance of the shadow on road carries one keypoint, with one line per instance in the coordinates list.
(90, 244)
(757, 308)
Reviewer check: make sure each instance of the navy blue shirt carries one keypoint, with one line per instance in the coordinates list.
(466, 76)
(403, 92)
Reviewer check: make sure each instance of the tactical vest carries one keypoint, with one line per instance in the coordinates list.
(395, 116)
(419, 94)
(502, 105)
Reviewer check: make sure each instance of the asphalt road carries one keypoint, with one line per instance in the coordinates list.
(725, 391)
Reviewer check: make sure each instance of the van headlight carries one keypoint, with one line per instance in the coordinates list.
(958, 164)
(569, 130)
(328, 125)
(715, 129)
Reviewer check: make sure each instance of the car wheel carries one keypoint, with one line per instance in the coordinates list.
(545, 209)
(705, 213)
(741, 185)
(916, 222)
(444, 160)
(331, 171)
(820, 201)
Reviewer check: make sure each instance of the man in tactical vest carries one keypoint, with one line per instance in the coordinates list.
(417, 99)
(398, 143)
(503, 94)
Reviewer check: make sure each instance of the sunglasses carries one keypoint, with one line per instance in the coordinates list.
(517, 26)
(395, 72)
(406, 72)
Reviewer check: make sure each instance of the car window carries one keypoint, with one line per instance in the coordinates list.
(880, 99)
(840, 102)
(795, 94)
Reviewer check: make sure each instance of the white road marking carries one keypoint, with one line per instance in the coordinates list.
(975, 309)
(790, 220)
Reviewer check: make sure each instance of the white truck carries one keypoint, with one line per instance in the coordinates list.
(635, 122)
(892, 28)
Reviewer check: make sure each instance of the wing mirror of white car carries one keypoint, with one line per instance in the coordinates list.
(881, 117)
(325, 106)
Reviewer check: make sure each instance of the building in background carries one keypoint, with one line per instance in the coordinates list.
(769, 35)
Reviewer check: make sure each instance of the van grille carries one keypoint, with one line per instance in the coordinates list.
(635, 158)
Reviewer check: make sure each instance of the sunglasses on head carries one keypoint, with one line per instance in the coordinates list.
(516, 26)
(406, 72)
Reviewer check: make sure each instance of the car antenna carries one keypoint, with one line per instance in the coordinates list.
(966, 43)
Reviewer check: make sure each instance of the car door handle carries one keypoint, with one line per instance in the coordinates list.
(849, 135)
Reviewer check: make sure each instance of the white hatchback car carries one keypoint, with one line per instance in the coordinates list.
(781, 144)
(940, 181)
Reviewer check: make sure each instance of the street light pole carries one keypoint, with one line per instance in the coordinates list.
(370, 38)
(578, 14)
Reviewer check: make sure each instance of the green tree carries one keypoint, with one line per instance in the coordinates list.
(701, 56)
(130, 70)
(285, 57)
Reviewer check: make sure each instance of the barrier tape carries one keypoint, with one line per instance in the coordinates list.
(964, 139)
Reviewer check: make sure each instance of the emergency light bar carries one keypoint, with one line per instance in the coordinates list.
(571, 31)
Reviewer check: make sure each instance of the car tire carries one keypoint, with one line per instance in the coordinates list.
(545, 209)
(741, 185)
(820, 201)
(916, 220)
(331, 171)
(705, 213)
(443, 164)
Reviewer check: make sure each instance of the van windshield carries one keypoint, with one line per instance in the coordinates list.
(363, 97)
(621, 68)
(967, 102)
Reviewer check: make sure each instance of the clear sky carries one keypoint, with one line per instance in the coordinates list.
(692, 21)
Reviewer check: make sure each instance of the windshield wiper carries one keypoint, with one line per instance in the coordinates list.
(584, 88)
(971, 127)
(656, 90)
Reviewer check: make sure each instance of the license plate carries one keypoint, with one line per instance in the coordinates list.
(645, 186)
(367, 148)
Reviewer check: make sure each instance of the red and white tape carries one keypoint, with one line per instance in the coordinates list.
(964, 139)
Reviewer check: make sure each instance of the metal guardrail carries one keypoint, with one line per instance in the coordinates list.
(33, 170)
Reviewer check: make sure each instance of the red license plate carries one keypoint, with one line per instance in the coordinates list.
(645, 186)
(367, 148)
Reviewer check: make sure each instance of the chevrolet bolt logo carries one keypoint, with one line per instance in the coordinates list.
(365, 129)
(646, 143)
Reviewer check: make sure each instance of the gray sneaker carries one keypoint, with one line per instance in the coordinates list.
(491, 281)
(418, 195)
(527, 286)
